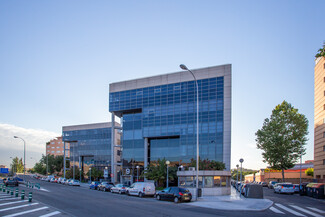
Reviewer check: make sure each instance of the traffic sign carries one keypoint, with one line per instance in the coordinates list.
(127, 171)
(4, 170)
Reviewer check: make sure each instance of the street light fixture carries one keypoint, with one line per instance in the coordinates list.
(182, 66)
(137, 172)
(80, 174)
(167, 163)
(241, 160)
(16, 137)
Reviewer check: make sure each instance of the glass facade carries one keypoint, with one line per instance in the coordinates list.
(165, 116)
(92, 147)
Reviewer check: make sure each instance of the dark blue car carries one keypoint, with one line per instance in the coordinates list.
(94, 185)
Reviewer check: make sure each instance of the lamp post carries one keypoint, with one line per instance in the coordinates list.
(137, 172)
(90, 174)
(197, 128)
(167, 163)
(241, 160)
(237, 174)
(80, 174)
(300, 159)
(16, 137)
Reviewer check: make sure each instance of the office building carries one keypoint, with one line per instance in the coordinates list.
(319, 119)
(90, 146)
(158, 117)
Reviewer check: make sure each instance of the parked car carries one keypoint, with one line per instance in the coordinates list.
(74, 183)
(271, 184)
(296, 188)
(105, 186)
(62, 181)
(284, 188)
(264, 184)
(119, 188)
(94, 185)
(175, 194)
(67, 181)
(11, 182)
(141, 189)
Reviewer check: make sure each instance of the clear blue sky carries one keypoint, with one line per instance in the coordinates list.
(57, 59)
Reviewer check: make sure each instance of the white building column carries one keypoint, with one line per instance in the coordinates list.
(113, 148)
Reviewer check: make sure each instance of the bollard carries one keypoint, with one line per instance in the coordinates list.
(12, 192)
(8, 191)
(16, 194)
(30, 197)
(4, 189)
(23, 194)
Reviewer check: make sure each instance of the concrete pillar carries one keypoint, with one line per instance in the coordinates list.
(145, 154)
(64, 160)
(112, 148)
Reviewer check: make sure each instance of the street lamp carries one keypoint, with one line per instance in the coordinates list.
(197, 127)
(300, 159)
(90, 173)
(241, 160)
(180, 168)
(16, 137)
(137, 172)
(80, 174)
(237, 175)
(167, 163)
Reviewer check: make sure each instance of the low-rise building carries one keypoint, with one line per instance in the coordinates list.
(55, 147)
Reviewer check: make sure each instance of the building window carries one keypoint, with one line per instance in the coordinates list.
(57, 151)
(53, 142)
(58, 147)
(324, 162)
(324, 148)
(52, 151)
(52, 147)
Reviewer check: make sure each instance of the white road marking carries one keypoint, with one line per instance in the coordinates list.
(289, 210)
(276, 210)
(50, 214)
(28, 211)
(317, 210)
(305, 211)
(16, 207)
(19, 201)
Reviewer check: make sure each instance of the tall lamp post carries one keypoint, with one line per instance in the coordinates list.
(167, 163)
(300, 159)
(90, 174)
(197, 128)
(80, 174)
(16, 137)
(237, 174)
(241, 160)
(137, 172)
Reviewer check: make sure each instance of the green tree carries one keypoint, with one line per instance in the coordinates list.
(69, 173)
(309, 172)
(54, 164)
(278, 138)
(95, 173)
(17, 165)
(321, 52)
(208, 164)
(157, 171)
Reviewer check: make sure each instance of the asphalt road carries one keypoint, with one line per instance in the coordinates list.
(79, 201)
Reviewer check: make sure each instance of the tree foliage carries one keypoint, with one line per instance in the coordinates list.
(309, 172)
(95, 173)
(55, 164)
(17, 165)
(208, 164)
(157, 171)
(244, 173)
(321, 52)
(282, 137)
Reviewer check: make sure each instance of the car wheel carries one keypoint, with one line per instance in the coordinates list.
(140, 194)
(158, 197)
(176, 200)
(119, 192)
(128, 193)
(104, 189)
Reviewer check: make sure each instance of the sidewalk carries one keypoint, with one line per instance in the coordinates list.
(232, 202)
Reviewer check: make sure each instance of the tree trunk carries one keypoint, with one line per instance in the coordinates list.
(283, 175)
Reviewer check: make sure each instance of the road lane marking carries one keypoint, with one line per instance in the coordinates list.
(9, 198)
(276, 210)
(305, 211)
(317, 210)
(50, 214)
(28, 211)
(20, 201)
(16, 207)
(289, 210)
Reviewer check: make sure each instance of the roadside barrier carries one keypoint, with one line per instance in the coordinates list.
(16, 194)
(4, 189)
(22, 194)
(12, 192)
(8, 191)
(30, 197)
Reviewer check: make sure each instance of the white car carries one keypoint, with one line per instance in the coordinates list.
(284, 188)
(119, 188)
(63, 180)
(141, 189)
(74, 183)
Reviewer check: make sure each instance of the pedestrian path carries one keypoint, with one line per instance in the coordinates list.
(11, 206)
(294, 210)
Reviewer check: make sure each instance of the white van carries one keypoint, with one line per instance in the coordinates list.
(141, 189)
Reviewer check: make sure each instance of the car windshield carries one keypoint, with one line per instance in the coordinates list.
(287, 186)
(119, 185)
(183, 190)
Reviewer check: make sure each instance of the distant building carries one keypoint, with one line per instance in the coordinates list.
(90, 146)
(291, 175)
(319, 119)
(2, 166)
(55, 147)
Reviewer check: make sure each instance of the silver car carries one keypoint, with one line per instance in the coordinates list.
(119, 188)
(284, 188)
